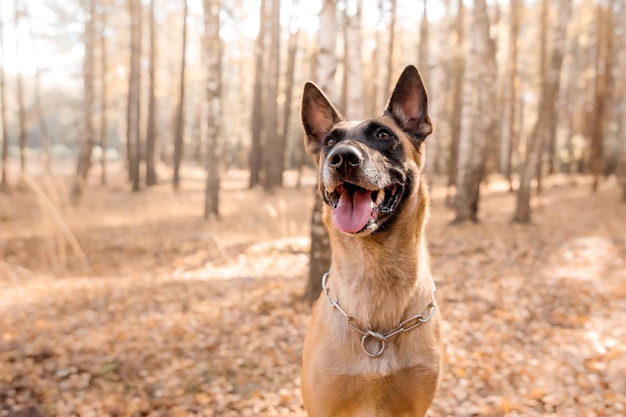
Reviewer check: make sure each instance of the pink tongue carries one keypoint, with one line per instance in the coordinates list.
(353, 211)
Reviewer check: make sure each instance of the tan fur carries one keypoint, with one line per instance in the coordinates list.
(382, 279)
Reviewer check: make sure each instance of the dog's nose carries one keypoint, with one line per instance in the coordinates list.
(345, 155)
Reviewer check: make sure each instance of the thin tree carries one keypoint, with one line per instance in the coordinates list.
(213, 56)
(43, 128)
(621, 171)
(391, 46)
(134, 93)
(87, 143)
(104, 134)
(273, 156)
(319, 262)
(292, 49)
(151, 133)
(510, 96)
(601, 93)
(458, 69)
(478, 120)
(4, 185)
(546, 113)
(543, 40)
(180, 111)
(20, 94)
(353, 103)
(257, 125)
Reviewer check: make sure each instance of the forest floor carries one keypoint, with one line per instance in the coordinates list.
(132, 305)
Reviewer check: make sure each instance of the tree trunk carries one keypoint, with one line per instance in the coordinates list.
(134, 93)
(180, 111)
(43, 128)
(390, 49)
(20, 96)
(4, 184)
(543, 40)
(604, 29)
(326, 66)
(422, 53)
(151, 133)
(353, 108)
(546, 113)
(510, 97)
(256, 149)
(274, 154)
(478, 120)
(292, 49)
(86, 146)
(104, 129)
(213, 57)
(458, 63)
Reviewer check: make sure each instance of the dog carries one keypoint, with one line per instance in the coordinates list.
(372, 347)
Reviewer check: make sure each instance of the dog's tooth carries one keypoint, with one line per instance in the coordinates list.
(380, 197)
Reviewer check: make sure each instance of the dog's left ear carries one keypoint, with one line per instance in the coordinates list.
(318, 118)
(409, 106)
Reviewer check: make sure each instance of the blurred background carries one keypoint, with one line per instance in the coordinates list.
(160, 237)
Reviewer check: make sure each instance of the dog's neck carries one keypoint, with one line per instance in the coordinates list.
(385, 277)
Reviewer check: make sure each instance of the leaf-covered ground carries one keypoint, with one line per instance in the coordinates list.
(164, 314)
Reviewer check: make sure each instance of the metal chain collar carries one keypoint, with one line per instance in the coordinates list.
(382, 338)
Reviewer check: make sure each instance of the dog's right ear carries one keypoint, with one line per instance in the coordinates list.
(318, 118)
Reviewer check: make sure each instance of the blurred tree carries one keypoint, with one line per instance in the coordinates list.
(390, 48)
(257, 124)
(273, 152)
(546, 113)
(151, 132)
(292, 49)
(319, 262)
(87, 137)
(21, 109)
(478, 120)
(4, 184)
(423, 52)
(543, 40)
(458, 68)
(38, 99)
(352, 87)
(134, 93)
(604, 52)
(180, 110)
(213, 117)
(104, 129)
(510, 95)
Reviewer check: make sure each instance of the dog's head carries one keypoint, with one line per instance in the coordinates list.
(368, 169)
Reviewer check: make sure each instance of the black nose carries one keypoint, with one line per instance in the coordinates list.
(345, 155)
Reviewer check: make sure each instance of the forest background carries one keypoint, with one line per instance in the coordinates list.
(160, 239)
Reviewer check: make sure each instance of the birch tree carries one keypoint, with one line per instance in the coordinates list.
(510, 95)
(477, 121)
(325, 78)
(546, 113)
(134, 93)
(87, 142)
(353, 107)
(273, 153)
(180, 110)
(257, 126)
(213, 116)
(4, 184)
(151, 132)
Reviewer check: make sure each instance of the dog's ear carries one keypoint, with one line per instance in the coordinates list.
(318, 118)
(409, 106)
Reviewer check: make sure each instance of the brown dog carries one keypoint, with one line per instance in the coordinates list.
(372, 347)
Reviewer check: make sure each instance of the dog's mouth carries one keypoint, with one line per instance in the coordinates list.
(357, 209)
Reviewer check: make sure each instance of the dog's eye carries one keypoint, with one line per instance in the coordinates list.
(383, 134)
(329, 141)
